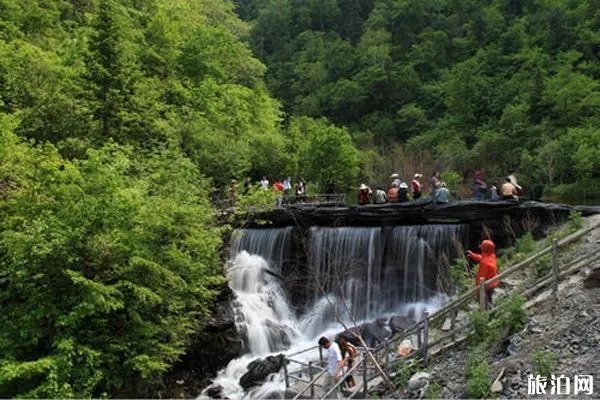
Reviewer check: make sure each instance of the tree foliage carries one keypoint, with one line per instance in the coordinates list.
(493, 85)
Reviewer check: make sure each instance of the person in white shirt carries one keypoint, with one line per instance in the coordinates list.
(264, 183)
(335, 363)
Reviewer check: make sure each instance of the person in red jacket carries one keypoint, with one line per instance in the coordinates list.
(487, 267)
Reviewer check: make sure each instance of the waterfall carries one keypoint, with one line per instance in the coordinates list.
(345, 264)
(262, 307)
(271, 244)
(374, 270)
(352, 273)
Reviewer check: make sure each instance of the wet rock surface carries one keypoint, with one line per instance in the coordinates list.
(259, 370)
(373, 332)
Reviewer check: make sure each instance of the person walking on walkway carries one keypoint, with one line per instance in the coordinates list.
(349, 353)
(487, 268)
(335, 363)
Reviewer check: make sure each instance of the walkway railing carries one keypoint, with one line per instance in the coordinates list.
(289, 201)
(421, 329)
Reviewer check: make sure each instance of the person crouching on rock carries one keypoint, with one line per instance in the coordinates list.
(487, 267)
(349, 353)
(335, 362)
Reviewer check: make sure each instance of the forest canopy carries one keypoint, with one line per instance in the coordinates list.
(498, 85)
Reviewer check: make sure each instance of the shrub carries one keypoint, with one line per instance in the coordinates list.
(478, 373)
(525, 244)
(434, 391)
(544, 363)
(575, 221)
(461, 281)
(512, 316)
(257, 199)
(404, 371)
(543, 266)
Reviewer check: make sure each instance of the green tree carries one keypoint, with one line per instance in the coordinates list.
(325, 152)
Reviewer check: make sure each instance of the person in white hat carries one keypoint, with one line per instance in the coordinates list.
(395, 179)
(416, 186)
(364, 194)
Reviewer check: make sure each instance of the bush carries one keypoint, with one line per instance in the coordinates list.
(404, 371)
(257, 199)
(461, 281)
(575, 221)
(543, 266)
(480, 321)
(434, 391)
(478, 373)
(544, 363)
(525, 244)
(512, 316)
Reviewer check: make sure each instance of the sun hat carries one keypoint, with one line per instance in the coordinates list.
(394, 176)
(418, 175)
(363, 186)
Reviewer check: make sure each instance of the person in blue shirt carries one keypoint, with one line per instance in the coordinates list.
(443, 194)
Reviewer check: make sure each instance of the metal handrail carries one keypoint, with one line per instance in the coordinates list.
(312, 383)
(302, 351)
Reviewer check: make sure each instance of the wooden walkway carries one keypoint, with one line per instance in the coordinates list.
(305, 379)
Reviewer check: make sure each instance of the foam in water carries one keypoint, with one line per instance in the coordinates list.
(361, 273)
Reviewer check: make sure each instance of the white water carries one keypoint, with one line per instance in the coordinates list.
(263, 310)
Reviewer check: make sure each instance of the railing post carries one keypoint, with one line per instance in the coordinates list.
(386, 354)
(453, 315)
(425, 337)
(419, 335)
(555, 269)
(311, 377)
(320, 356)
(285, 372)
(365, 383)
(482, 296)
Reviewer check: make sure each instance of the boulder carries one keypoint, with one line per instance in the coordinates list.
(260, 369)
(418, 381)
(215, 392)
(375, 332)
(592, 280)
(400, 323)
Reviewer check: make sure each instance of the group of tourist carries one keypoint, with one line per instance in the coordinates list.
(340, 360)
(284, 187)
(509, 190)
(399, 191)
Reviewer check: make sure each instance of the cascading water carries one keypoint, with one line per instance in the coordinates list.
(374, 271)
(371, 272)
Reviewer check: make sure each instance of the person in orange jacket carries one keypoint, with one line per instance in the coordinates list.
(487, 267)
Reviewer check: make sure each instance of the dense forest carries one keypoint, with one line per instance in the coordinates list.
(118, 118)
(502, 85)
